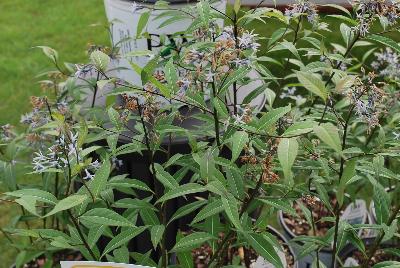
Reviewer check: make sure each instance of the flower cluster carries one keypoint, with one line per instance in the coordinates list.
(387, 64)
(368, 9)
(303, 7)
(368, 99)
(39, 115)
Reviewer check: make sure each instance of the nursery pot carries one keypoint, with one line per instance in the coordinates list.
(124, 27)
(355, 213)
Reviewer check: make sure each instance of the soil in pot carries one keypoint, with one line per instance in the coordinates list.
(299, 226)
(63, 255)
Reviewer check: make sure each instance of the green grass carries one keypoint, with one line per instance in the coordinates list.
(62, 25)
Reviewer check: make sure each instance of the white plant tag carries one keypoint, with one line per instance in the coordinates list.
(263, 263)
(95, 264)
(351, 262)
(356, 212)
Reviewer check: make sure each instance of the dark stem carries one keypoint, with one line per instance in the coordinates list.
(95, 90)
(85, 243)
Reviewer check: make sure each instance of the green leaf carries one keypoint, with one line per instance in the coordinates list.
(165, 178)
(189, 188)
(348, 173)
(49, 52)
(329, 134)
(192, 241)
(36, 194)
(29, 203)
(156, 233)
(299, 128)
(313, 83)
(123, 238)
(203, 9)
(143, 19)
(233, 77)
(67, 203)
(221, 108)
(270, 118)
(149, 217)
(347, 34)
(264, 247)
(104, 216)
(235, 182)
(239, 140)
(290, 46)
(99, 182)
(184, 257)
(100, 60)
(231, 208)
(209, 210)
(381, 204)
(186, 209)
(283, 205)
(171, 75)
(94, 234)
(129, 183)
(287, 152)
(385, 41)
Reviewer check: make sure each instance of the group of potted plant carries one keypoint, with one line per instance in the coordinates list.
(227, 129)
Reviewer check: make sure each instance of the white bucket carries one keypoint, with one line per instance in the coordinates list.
(125, 21)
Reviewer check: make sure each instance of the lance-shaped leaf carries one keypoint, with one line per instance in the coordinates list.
(313, 83)
(165, 178)
(381, 204)
(156, 234)
(209, 210)
(329, 134)
(239, 140)
(98, 183)
(231, 208)
(67, 203)
(385, 41)
(186, 209)
(123, 238)
(171, 75)
(191, 241)
(189, 188)
(264, 247)
(104, 216)
(36, 194)
(287, 152)
(270, 118)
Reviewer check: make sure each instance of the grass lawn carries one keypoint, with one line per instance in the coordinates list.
(62, 25)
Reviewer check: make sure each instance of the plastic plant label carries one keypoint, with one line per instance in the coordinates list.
(356, 212)
(263, 263)
(95, 264)
(351, 262)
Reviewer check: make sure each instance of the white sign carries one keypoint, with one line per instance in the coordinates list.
(95, 264)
